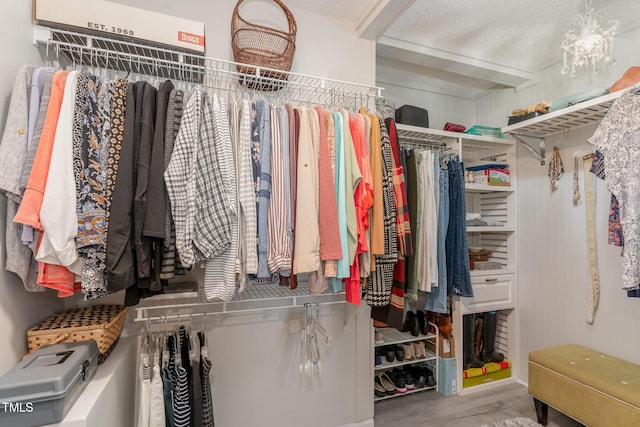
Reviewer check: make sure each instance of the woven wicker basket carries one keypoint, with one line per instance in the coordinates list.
(265, 47)
(101, 323)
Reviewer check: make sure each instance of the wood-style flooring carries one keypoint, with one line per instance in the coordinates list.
(431, 408)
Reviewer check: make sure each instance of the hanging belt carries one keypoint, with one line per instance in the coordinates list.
(593, 286)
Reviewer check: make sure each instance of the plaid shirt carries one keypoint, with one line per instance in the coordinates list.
(199, 205)
(220, 275)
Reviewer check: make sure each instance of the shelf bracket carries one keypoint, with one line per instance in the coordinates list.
(538, 154)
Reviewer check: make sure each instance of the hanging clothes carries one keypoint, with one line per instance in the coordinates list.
(279, 258)
(330, 248)
(307, 248)
(377, 212)
(341, 201)
(219, 277)
(458, 272)
(380, 283)
(119, 189)
(205, 381)
(38, 103)
(436, 300)
(331, 266)
(615, 138)
(170, 261)
(196, 187)
(263, 190)
(58, 211)
(247, 225)
(13, 147)
(91, 206)
(156, 408)
(294, 129)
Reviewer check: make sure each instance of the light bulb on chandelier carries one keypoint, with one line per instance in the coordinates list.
(588, 41)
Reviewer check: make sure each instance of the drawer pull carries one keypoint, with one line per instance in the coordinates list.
(495, 279)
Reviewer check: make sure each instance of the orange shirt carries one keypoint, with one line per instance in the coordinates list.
(29, 210)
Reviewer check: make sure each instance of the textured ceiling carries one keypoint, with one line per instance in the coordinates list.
(521, 34)
(473, 43)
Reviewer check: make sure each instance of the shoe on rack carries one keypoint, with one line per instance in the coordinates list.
(421, 318)
(378, 358)
(387, 384)
(419, 350)
(419, 379)
(411, 324)
(399, 352)
(408, 350)
(379, 338)
(398, 381)
(389, 353)
(428, 373)
(408, 378)
(378, 389)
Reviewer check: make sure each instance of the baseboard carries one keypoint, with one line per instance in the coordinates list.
(367, 423)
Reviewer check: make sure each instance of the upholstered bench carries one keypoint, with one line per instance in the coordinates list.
(591, 387)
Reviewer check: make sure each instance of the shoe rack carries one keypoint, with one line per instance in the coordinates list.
(390, 338)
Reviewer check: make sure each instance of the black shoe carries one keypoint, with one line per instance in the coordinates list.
(398, 381)
(389, 353)
(419, 379)
(399, 352)
(422, 322)
(494, 356)
(408, 379)
(411, 324)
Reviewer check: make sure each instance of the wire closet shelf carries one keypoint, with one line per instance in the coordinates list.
(127, 56)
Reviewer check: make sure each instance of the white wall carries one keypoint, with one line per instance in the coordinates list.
(442, 108)
(324, 48)
(19, 309)
(552, 260)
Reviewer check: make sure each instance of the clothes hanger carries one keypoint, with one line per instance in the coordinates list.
(204, 350)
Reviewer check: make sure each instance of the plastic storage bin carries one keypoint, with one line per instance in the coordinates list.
(43, 387)
(485, 131)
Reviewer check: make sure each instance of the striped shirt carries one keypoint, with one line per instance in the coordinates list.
(246, 195)
(279, 239)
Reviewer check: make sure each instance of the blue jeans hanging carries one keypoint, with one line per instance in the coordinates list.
(437, 298)
(458, 273)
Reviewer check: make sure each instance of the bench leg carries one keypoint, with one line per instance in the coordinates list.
(542, 411)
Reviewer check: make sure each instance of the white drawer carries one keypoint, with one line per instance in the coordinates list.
(490, 293)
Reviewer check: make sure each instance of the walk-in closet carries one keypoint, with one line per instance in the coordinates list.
(256, 213)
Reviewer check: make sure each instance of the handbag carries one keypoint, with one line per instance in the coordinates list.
(454, 127)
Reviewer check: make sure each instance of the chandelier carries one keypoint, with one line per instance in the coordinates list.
(588, 41)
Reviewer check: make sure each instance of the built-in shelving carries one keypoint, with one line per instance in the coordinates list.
(484, 188)
(487, 229)
(574, 117)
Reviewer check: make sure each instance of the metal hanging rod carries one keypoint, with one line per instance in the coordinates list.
(79, 49)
